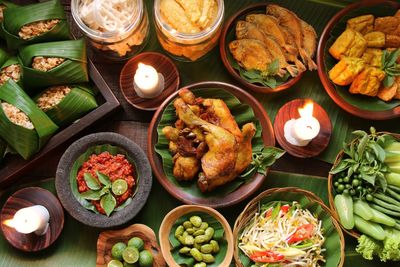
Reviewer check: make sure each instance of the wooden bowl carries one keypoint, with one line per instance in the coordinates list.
(163, 65)
(309, 200)
(228, 34)
(108, 238)
(137, 157)
(331, 195)
(219, 201)
(337, 24)
(178, 212)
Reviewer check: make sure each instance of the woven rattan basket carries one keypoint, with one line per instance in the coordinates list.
(284, 194)
(331, 196)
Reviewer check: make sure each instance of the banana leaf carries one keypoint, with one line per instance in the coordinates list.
(359, 101)
(12, 61)
(72, 70)
(75, 104)
(7, 4)
(242, 113)
(3, 56)
(24, 141)
(3, 149)
(332, 238)
(18, 16)
(187, 260)
(113, 150)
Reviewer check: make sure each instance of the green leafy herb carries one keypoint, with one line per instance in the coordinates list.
(391, 68)
(264, 159)
(91, 182)
(91, 195)
(104, 179)
(108, 203)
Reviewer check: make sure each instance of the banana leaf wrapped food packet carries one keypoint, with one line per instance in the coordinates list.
(11, 69)
(24, 126)
(41, 22)
(66, 103)
(3, 56)
(3, 149)
(54, 63)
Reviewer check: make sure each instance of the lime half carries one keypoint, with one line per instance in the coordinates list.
(145, 258)
(115, 263)
(117, 249)
(130, 254)
(119, 187)
(136, 242)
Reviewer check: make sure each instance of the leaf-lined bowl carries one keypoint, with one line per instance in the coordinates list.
(70, 163)
(170, 245)
(244, 108)
(227, 36)
(334, 239)
(358, 105)
(331, 195)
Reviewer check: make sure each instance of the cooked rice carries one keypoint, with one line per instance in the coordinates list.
(46, 63)
(34, 29)
(13, 71)
(16, 116)
(2, 7)
(52, 97)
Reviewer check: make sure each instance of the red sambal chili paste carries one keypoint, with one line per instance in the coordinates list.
(115, 167)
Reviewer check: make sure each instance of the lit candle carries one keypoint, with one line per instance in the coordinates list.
(301, 131)
(147, 82)
(34, 219)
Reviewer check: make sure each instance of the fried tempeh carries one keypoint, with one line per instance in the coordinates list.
(363, 24)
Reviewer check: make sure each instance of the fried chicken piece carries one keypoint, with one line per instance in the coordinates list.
(392, 41)
(375, 39)
(387, 93)
(244, 158)
(247, 30)
(346, 70)
(397, 15)
(270, 26)
(309, 39)
(367, 82)
(363, 24)
(350, 43)
(387, 25)
(373, 57)
(292, 23)
(222, 152)
(185, 168)
(251, 54)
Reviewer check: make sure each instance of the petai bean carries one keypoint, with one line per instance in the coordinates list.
(196, 220)
(190, 231)
(199, 232)
(185, 250)
(200, 239)
(187, 224)
(179, 230)
(189, 240)
(200, 264)
(215, 246)
(196, 254)
(204, 225)
(207, 248)
(208, 258)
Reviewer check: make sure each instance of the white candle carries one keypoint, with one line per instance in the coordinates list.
(147, 82)
(301, 131)
(32, 219)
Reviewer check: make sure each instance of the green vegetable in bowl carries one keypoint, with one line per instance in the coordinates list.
(344, 206)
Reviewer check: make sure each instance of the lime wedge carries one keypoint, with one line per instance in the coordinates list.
(136, 242)
(119, 187)
(115, 263)
(130, 254)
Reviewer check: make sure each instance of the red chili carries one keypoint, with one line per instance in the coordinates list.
(303, 232)
(285, 208)
(267, 256)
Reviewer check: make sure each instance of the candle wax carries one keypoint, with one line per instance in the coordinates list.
(31, 219)
(147, 82)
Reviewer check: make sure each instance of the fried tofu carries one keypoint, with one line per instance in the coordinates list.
(387, 25)
(346, 70)
(368, 82)
(373, 57)
(375, 39)
(350, 43)
(363, 24)
(387, 93)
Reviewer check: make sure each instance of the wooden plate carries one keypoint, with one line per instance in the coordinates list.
(244, 190)
(175, 214)
(227, 35)
(163, 65)
(322, 57)
(108, 238)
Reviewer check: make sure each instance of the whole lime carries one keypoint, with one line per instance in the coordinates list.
(130, 264)
(136, 242)
(145, 259)
(117, 249)
(115, 263)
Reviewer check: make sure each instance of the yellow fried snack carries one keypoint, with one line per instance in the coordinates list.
(392, 41)
(397, 81)
(375, 39)
(367, 82)
(387, 25)
(373, 57)
(350, 43)
(363, 24)
(387, 93)
(346, 70)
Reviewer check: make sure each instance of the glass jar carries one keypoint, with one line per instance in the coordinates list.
(119, 38)
(188, 46)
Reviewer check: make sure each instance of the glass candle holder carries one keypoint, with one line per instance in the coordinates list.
(188, 46)
(121, 43)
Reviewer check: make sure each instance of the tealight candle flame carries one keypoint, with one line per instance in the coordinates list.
(307, 109)
(9, 223)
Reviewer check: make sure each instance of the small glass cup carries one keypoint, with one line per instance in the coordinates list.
(188, 46)
(120, 44)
